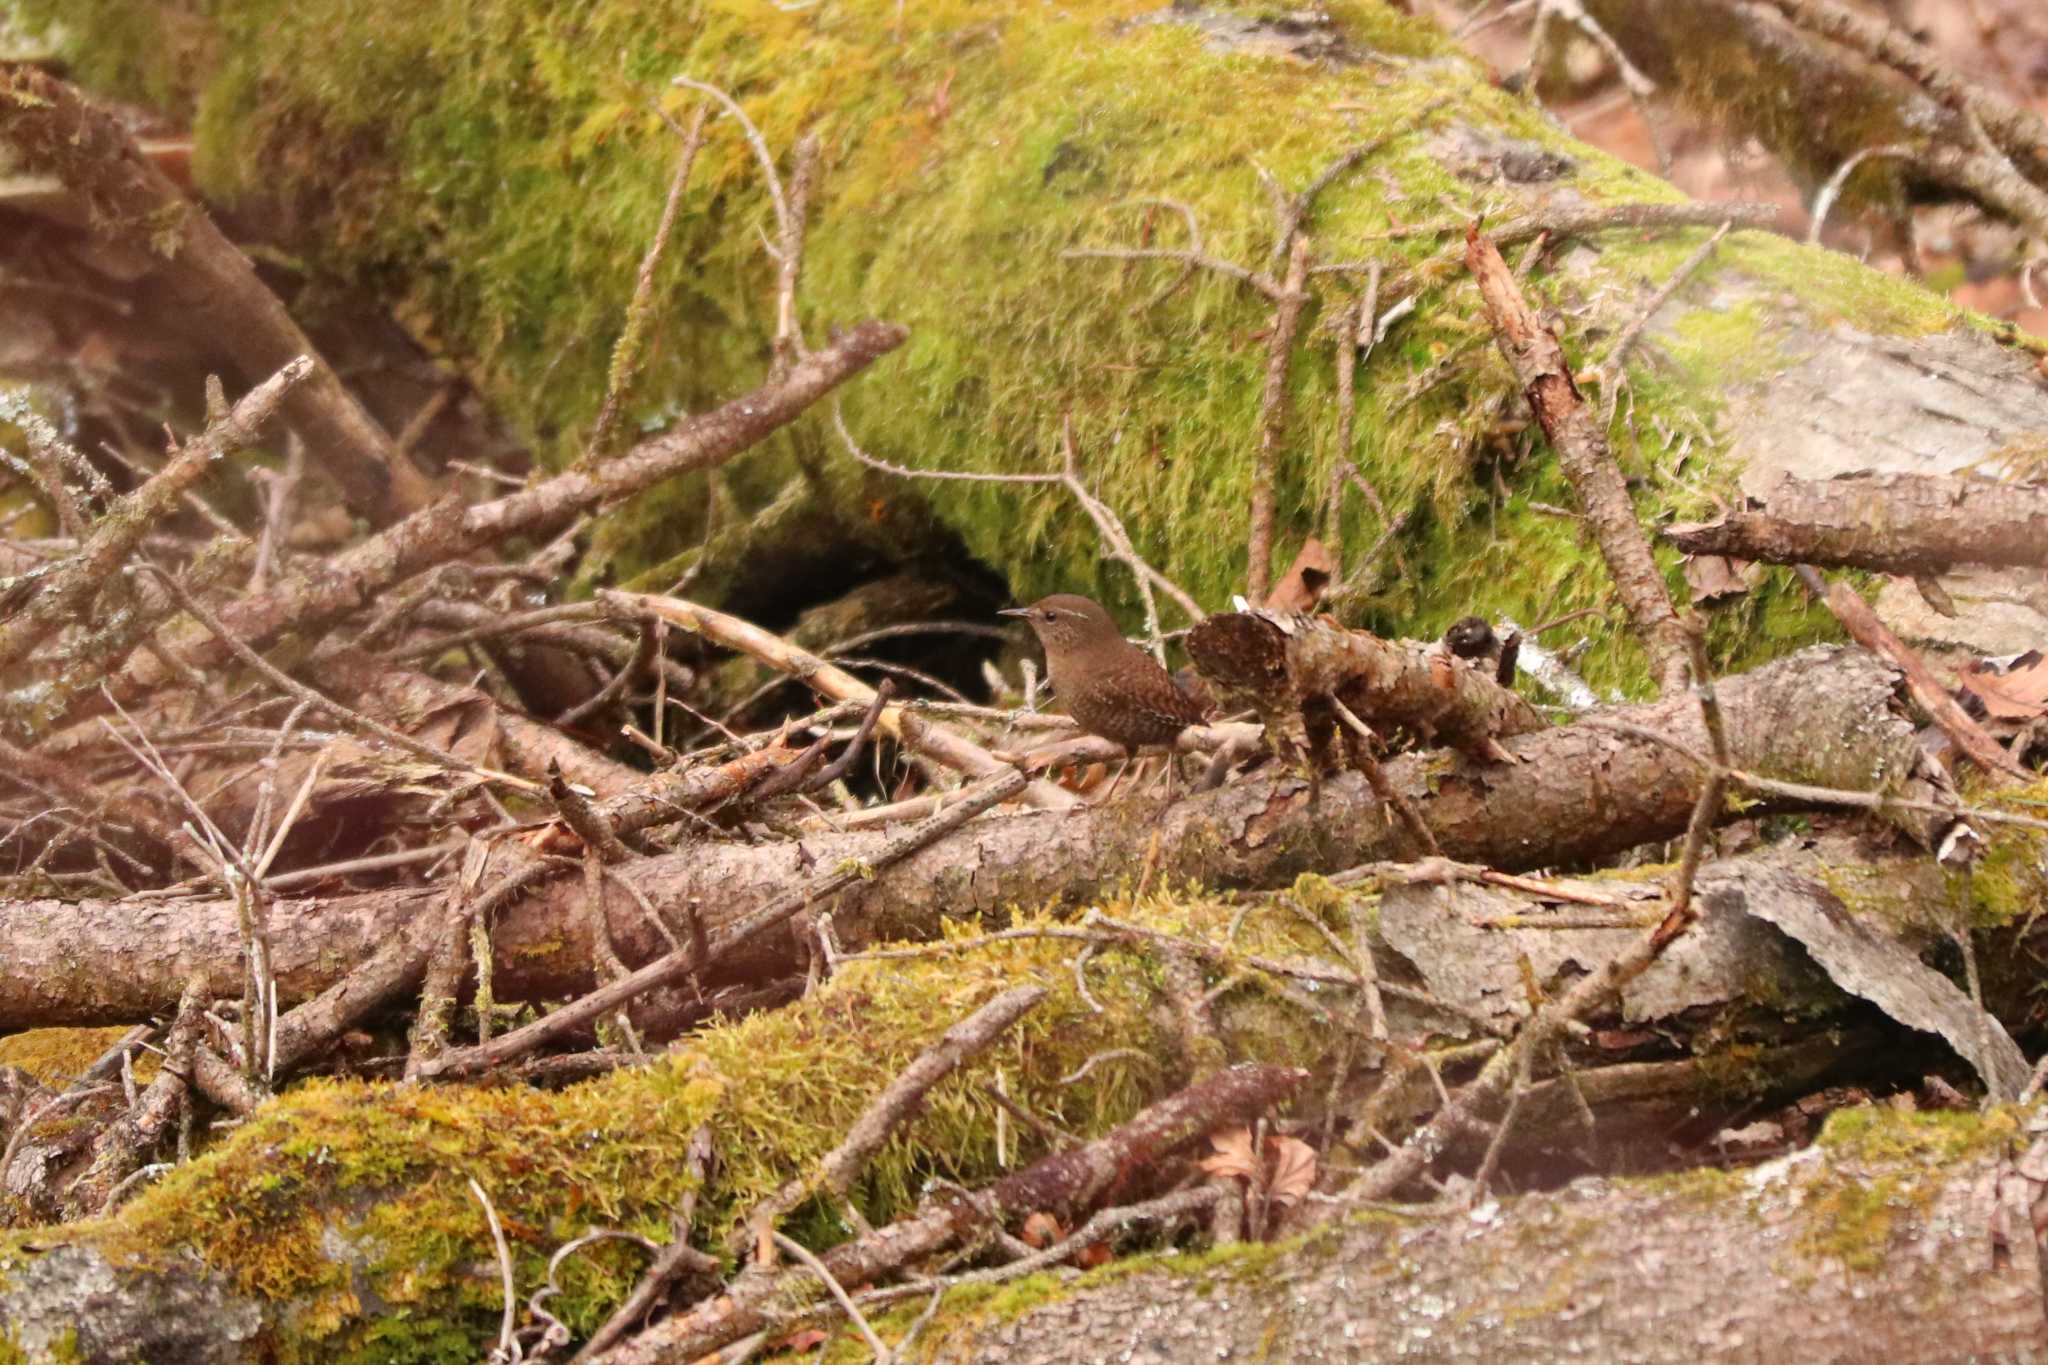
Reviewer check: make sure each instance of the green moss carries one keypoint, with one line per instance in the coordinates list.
(1853, 1221)
(493, 169)
(1853, 1217)
(1878, 1133)
(57, 1056)
(342, 1194)
(2009, 884)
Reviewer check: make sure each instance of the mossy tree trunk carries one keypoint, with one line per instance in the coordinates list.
(496, 170)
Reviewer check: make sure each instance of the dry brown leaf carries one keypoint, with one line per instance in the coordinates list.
(1292, 1171)
(1233, 1156)
(552, 838)
(1302, 586)
(1712, 576)
(2021, 694)
(1041, 1230)
(1091, 1256)
(809, 1339)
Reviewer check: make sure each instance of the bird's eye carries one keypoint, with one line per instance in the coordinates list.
(1049, 614)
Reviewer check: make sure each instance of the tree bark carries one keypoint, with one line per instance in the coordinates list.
(1842, 1253)
(1572, 795)
(1886, 523)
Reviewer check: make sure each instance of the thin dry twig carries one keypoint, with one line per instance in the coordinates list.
(882, 1354)
(626, 351)
(1539, 363)
(1864, 626)
(1107, 523)
(60, 600)
(1273, 408)
(507, 1350)
(469, 1061)
(939, 742)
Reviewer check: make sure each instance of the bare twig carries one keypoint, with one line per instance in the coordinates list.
(789, 332)
(1612, 369)
(1581, 445)
(61, 599)
(348, 716)
(678, 963)
(882, 1354)
(1273, 407)
(626, 351)
(56, 129)
(1824, 198)
(1066, 1180)
(1106, 521)
(447, 531)
(507, 1349)
(939, 742)
(675, 1259)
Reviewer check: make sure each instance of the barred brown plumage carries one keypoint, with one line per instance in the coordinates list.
(1108, 685)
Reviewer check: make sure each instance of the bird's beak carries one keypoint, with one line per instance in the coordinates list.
(1014, 611)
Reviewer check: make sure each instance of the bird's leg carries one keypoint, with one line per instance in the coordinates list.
(1170, 778)
(1130, 755)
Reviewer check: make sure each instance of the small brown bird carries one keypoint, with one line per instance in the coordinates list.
(1109, 686)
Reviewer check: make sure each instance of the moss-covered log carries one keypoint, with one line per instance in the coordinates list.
(337, 1224)
(495, 169)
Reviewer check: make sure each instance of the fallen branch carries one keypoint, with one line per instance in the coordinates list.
(1863, 626)
(57, 130)
(680, 962)
(1826, 715)
(1309, 668)
(1906, 524)
(1581, 445)
(1062, 1184)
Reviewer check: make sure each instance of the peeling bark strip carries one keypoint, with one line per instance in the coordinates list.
(131, 202)
(1903, 524)
(447, 530)
(1574, 433)
(1063, 1184)
(1825, 715)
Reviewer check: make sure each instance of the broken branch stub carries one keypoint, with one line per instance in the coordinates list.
(1288, 667)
